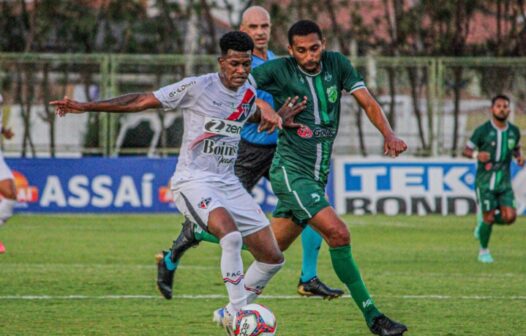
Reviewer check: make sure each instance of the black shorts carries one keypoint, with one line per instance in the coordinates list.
(253, 162)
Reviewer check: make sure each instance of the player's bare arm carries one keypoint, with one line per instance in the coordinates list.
(133, 102)
(517, 153)
(393, 146)
(471, 153)
(269, 119)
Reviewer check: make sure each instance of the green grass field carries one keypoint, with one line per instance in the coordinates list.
(95, 275)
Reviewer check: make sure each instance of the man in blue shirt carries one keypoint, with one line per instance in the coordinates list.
(255, 153)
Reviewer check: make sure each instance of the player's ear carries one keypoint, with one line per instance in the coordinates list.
(289, 48)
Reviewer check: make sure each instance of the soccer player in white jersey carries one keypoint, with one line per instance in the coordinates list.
(206, 190)
(7, 181)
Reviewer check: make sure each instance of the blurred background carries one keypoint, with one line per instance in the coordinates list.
(433, 65)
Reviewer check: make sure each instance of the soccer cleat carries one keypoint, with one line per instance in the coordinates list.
(384, 326)
(225, 320)
(184, 241)
(314, 287)
(485, 257)
(165, 277)
(2, 248)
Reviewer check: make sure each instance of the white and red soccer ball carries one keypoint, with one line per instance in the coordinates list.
(255, 320)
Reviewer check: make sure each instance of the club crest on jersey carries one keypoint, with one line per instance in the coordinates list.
(332, 94)
(305, 132)
(204, 203)
(511, 143)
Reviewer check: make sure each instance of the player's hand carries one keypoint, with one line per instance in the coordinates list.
(269, 121)
(394, 146)
(520, 161)
(66, 105)
(290, 109)
(7, 133)
(483, 157)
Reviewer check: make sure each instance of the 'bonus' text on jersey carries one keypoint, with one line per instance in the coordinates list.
(213, 118)
(500, 144)
(308, 149)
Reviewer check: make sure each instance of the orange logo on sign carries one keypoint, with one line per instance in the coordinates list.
(24, 192)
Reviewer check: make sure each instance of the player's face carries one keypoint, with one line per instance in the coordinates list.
(257, 26)
(234, 68)
(501, 109)
(307, 51)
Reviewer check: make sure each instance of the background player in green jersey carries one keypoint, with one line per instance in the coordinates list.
(493, 145)
(300, 166)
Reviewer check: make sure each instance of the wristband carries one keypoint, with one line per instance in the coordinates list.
(475, 154)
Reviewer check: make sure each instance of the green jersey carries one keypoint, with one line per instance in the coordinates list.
(500, 144)
(307, 150)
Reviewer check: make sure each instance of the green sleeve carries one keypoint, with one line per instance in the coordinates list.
(476, 138)
(262, 77)
(350, 78)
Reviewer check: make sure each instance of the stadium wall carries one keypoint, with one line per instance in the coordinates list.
(356, 185)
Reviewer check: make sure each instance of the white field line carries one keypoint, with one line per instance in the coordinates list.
(152, 266)
(270, 297)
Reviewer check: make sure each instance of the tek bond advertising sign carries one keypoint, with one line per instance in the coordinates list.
(107, 185)
(407, 186)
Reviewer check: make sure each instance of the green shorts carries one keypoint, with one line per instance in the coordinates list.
(492, 199)
(299, 197)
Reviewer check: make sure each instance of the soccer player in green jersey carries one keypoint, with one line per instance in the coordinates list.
(493, 145)
(300, 167)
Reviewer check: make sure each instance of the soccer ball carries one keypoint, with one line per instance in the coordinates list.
(254, 320)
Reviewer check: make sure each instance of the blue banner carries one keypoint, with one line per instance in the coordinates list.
(406, 186)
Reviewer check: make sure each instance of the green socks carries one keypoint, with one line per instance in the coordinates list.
(485, 234)
(348, 273)
(201, 235)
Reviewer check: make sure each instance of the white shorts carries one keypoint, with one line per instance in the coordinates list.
(196, 200)
(5, 172)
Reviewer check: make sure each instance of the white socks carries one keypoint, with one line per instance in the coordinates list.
(6, 209)
(257, 277)
(232, 270)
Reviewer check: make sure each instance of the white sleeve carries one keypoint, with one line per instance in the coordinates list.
(177, 94)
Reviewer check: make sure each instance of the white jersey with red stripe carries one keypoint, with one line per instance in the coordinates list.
(213, 117)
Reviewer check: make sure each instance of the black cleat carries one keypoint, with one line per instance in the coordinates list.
(184, 241)
(165, 277)
(384, 326)
(314, 287)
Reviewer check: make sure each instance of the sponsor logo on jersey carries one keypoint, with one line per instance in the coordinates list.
(332, 94)
(219, 148)
(315, 197)
(25, 193)
(324, 132)
(305, 132)
(181, 88)
(327, 77)
(222, 127)
(204, 203)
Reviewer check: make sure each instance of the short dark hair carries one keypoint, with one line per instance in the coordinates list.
(237, 41)
(304, 28)
(499, 96)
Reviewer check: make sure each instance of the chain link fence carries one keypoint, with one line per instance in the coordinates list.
(433, 103)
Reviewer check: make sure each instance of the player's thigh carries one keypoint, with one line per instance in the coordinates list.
(197, 201)
(263, 246)
(286, 231)
(301, 196)
(247, 213)
(7, 181)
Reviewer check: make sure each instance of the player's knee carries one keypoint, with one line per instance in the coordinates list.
(489, 218)
(509, 219)
(232, 241)
(339, 236)
(277, 258)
